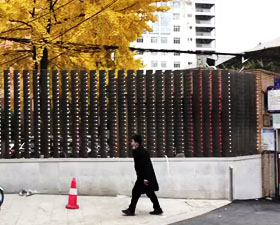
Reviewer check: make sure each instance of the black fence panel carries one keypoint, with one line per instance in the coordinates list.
(207, 113)
(27, 114)
(94, 116)
(190, 113)
(37, 113)
(178, 112)
(169, 103)
(1, 125)
(151, 113)
(132, 104)
(75, 114)
(123, 119)
(103, 115)
(226, 114)
(197, 113)
(217, 113)
(142, 105)
(113, 115)
(17, 115)
(84, 129)
(56, 115)
(46, 115)
(65, 113)
(7, 113)
(160, 114)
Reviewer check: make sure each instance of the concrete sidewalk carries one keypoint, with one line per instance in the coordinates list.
(50, 210)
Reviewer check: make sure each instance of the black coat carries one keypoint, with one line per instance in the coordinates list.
(144, 170)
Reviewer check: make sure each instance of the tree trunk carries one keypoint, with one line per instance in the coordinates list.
(34, 58)
(44, 60)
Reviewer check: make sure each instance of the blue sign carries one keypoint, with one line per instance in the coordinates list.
(273, 99)
(277, 81)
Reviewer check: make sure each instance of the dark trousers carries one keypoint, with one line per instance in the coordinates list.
(136, 193)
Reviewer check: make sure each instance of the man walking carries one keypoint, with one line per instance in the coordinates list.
(146, 179)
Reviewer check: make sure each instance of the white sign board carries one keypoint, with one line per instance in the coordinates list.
(273, 100)
(268, 139)
(276, 120)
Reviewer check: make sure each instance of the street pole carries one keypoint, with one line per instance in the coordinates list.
(276, 164)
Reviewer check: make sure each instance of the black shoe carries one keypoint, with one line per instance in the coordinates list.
(127, 212)
(156, 212)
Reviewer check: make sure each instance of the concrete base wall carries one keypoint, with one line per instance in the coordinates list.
(198, 178)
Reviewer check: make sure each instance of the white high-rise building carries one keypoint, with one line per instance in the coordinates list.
(205, 28)
(188, 25)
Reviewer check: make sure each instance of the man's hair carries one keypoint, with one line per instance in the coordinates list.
(137, 138)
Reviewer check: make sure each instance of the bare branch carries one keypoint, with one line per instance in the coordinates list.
(54, 3)
(19, 57)
(127, 7)
(62, 53)
(19, 60)
(52, 9)
(24, 23)
(30, 21)
(18, 40)
(56, 65)
(15, 52)
(85, 20)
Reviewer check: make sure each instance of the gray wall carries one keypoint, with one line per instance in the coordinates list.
(199, 178)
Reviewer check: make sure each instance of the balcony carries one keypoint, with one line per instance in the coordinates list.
(200, 11)
(205, 19)
(205, 47)
(203, 10)
(205, 30)
(204, 3)
(204, 34)
(204, 22)
(205, 43)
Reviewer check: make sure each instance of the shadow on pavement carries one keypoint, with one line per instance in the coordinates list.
(249, 212)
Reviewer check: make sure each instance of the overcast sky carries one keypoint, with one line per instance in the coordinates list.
(242, 24)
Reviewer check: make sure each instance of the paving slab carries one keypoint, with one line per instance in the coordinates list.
(94, 210)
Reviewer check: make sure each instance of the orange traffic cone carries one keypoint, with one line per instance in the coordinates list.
(72, 200)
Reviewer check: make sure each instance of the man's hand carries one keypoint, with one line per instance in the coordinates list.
(146, 182)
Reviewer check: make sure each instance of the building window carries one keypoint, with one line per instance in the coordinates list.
(140, 53)
(176, 4)
(154, 39)
(189, 39)
(176, 53)
(177, 64)
(189, 15)
(190, 27)
(163, 40)
(154, 53)
(189, 63)
(142, 62)
(176, 28)
(164, 53)
(176, 16)
(140, 40)
(176, 40)
(154, 64)
(163, 64)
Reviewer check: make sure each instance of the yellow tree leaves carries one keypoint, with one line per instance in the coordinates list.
(73, 34)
